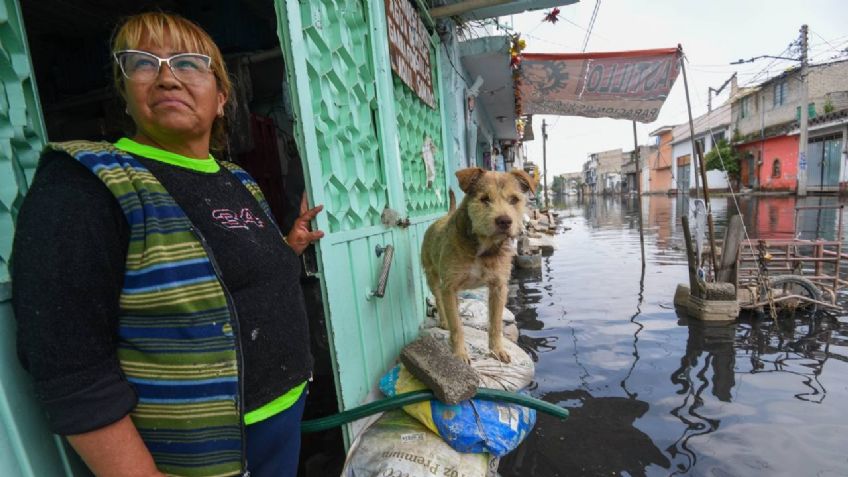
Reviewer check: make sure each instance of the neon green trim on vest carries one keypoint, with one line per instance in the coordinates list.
(276, 406)
(208, 165)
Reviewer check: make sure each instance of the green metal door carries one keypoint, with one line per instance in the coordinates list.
(683, 175)
(27, 448)
(360, 134)
(823, 159)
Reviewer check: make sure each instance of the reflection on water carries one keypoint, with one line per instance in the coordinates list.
(654, 394)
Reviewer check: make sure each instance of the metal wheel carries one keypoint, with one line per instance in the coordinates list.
(793, 292)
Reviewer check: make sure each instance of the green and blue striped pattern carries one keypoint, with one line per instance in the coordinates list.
(176, 342)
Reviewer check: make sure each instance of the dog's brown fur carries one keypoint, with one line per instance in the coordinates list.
(473, 246)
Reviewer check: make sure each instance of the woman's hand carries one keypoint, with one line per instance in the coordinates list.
(299, 237)
(115, 450)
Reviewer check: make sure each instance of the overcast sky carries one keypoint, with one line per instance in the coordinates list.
(712, 33)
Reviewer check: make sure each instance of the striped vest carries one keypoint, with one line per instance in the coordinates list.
(176, 343)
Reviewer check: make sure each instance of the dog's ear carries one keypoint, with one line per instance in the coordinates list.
(523, 178)
(468, 178)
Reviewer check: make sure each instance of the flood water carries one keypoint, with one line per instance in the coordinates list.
(654, 394)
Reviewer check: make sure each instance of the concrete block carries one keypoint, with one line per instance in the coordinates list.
(705, 310)
(720, 291)
(451, 379)
(523, 245)
(528, 261)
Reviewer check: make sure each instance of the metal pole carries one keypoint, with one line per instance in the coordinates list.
(802, 137)
(639, 196)
(691, 123)
(696, 154)
(545, 162)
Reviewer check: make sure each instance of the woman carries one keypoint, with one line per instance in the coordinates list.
(159, 307)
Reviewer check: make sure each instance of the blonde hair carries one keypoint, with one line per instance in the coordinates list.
(161, 28)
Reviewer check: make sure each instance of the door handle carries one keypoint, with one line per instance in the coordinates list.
(388, 253)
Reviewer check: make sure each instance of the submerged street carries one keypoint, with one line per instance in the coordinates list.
(654, 394)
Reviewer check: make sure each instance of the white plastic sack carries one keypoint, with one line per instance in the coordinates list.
(397, 445)
(474, 309)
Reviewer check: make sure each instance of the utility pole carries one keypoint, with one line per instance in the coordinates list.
(802, 137)
(712, 91)
(545, 162)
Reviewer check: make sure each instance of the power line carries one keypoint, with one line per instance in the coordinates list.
(591, 24)
(822, 38)
(547, 41)
(768, 66)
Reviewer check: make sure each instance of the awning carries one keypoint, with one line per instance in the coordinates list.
(488, 57)
(620, 85)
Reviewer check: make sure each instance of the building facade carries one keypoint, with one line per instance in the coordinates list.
(635, 179)
(765, 129)
(710, 128)
(660, 162)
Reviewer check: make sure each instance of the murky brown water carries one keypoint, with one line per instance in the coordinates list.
(652, 394)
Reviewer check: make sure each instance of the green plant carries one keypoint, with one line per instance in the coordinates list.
(737, 136)
(828, 106)
(723, 157)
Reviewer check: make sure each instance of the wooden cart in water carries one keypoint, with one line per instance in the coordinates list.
(793, 273)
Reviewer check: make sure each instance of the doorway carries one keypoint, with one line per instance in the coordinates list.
(824, 155)
(69, 45)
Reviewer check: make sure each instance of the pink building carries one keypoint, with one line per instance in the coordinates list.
(770, 164)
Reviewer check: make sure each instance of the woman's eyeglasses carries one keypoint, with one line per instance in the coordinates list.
(143, 67)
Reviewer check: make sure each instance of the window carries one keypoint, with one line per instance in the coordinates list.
(701, 146)
(811, 111)
(780, 93)
(775, 169)
(745, 108)
(717, 136)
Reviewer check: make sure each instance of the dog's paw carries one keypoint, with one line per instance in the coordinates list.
(501, 355)
(462, 354)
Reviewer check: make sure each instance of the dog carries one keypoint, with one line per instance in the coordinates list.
(473, 246)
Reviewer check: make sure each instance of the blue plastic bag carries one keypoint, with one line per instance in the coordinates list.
(473, 426)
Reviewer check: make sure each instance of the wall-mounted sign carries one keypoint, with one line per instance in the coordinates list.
(409, 48)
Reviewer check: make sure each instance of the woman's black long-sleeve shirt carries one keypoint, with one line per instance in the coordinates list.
(67, 273)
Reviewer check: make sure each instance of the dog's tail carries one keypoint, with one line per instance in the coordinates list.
(452, 202)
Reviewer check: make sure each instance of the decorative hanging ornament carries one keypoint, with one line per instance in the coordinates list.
(552, 16)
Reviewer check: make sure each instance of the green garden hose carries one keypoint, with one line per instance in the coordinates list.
(413, 397)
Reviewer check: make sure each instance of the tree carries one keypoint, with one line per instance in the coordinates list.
(723, 157)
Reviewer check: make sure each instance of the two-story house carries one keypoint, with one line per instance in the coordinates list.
(765, 129)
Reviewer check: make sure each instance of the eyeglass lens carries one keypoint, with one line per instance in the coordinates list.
(144, 67)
